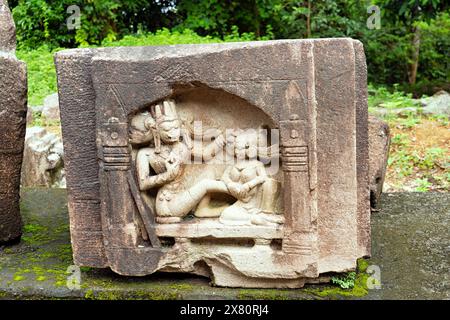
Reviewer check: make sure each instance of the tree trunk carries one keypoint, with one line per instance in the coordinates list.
(415, 57)
(308, 21)
(257, 19)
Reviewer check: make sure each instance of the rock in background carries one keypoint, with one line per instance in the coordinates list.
(34, 112)
(379, 141)
(13, 113)
(438, 104)
(43, 163)
(50, 110)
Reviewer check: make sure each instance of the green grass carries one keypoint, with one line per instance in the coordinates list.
(41, 73)
(418, 155)
(382, 97)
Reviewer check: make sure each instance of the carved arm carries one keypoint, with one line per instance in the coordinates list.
(260, 178)
(147, 181)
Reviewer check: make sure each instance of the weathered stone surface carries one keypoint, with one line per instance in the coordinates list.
(126, 122)
(43, 159)
(13, 104)
(50, 110)
(438, 104)
(379, 141)
(30, 117)
(7, 28)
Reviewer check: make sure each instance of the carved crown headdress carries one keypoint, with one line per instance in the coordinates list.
(164, 112)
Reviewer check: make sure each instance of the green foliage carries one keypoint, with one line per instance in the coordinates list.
(404, 162)
(346, 281)
(41, 73)
(389, 50)
(435, 48)
(431, 158)
(42, 22)
(393, 98)
(221, 18)
(423, 185)
(160, 37)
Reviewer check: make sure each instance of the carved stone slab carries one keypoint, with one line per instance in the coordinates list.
(143, 198)
(13, 110)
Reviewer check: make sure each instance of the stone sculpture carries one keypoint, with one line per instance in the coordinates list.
(172, 149)
(243, 162)
(13, 114)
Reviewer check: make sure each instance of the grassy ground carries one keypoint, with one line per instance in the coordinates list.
(419, 158)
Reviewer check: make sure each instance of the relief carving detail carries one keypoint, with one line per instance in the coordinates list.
(164, 145)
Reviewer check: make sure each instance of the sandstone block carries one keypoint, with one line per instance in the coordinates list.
(244, 162)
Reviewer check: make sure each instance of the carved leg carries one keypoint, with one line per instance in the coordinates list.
(184, 202)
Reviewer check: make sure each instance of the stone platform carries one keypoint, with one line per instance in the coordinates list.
(410, 244)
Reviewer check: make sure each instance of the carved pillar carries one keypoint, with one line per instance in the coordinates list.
(13, 110)
(121, 202)
(299, 165)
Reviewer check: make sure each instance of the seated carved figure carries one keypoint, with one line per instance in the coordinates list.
(249, 183)
(167, 159)
(162, 166)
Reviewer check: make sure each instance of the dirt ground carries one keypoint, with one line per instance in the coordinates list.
(419, 157)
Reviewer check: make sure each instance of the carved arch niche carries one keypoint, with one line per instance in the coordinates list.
(204, 114)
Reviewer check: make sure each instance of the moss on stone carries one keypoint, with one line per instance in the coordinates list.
(18, 277)
(262, 294)
(362, 265)
(8, 251)
(181, 286)
(41, 278)
(359, 288)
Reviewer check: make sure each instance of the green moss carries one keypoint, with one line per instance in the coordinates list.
(359, 288)
(156, 294)
(181, 286)
(8, 251)
(266, 294)
(18, 277)
(89, 294)
(64, 253)
(104, 295)
(345, 281)
(362, 265)
(86, 269)
(92, 294)
(35, 234)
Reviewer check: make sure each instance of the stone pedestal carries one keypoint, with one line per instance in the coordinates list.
(148, 186)
(13, 110)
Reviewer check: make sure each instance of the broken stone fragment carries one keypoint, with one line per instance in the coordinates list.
(50, 110)
(379, 141)
(13, 112)
(43, 159)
